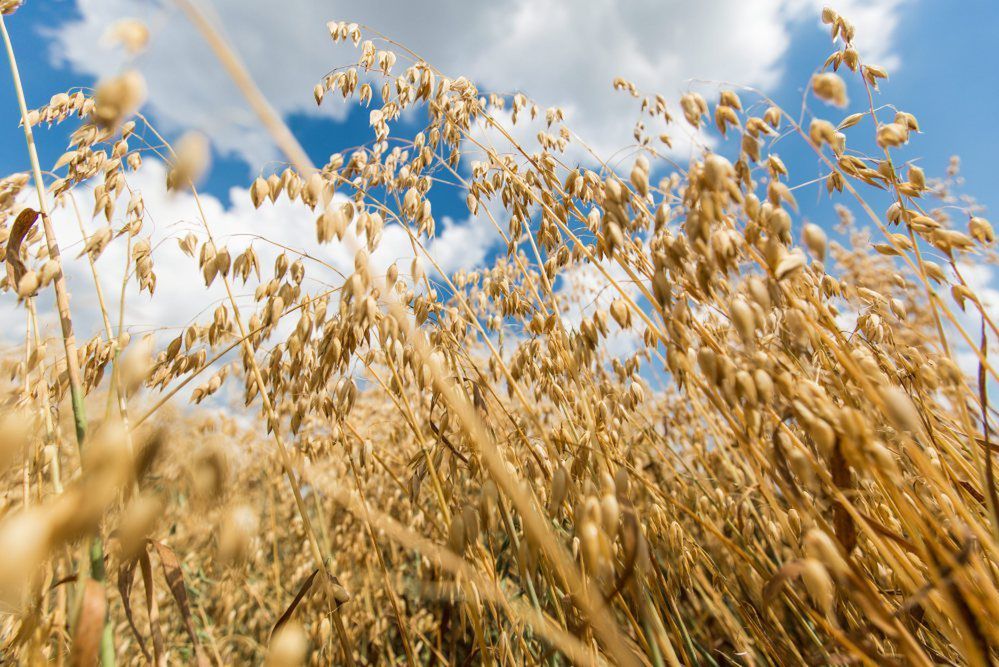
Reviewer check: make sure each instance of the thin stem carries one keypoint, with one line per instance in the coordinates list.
(107, 651)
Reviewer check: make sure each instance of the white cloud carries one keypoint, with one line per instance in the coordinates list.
(876, 23)
(561, 53)
(463, 245)
(181, 297)
(983, 281)
(585, 289)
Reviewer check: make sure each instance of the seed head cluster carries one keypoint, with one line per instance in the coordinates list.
(759, 441)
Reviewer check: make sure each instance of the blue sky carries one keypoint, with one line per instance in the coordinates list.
(939, 54)
(948, 78)
(947, 75)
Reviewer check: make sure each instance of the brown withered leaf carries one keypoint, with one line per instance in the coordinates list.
(68, 579)
(302, 590)
(846, 530)
(152, 611)
(174, 576)
(89, 626)
(126, 577)
(19, 230)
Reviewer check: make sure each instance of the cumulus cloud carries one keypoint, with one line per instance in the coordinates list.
(876, 23)
(982, 279)
(560, 53)
(181, 297)
(585, 290)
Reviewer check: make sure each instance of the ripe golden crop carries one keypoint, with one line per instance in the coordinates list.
(756, 440)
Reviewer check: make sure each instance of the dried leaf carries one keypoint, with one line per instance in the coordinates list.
(89, 626)
(175, 580)
(302, 590)
(126, 576)
(19, 230)
(152, 611)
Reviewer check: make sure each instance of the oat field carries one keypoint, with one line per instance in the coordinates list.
(670, 422)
